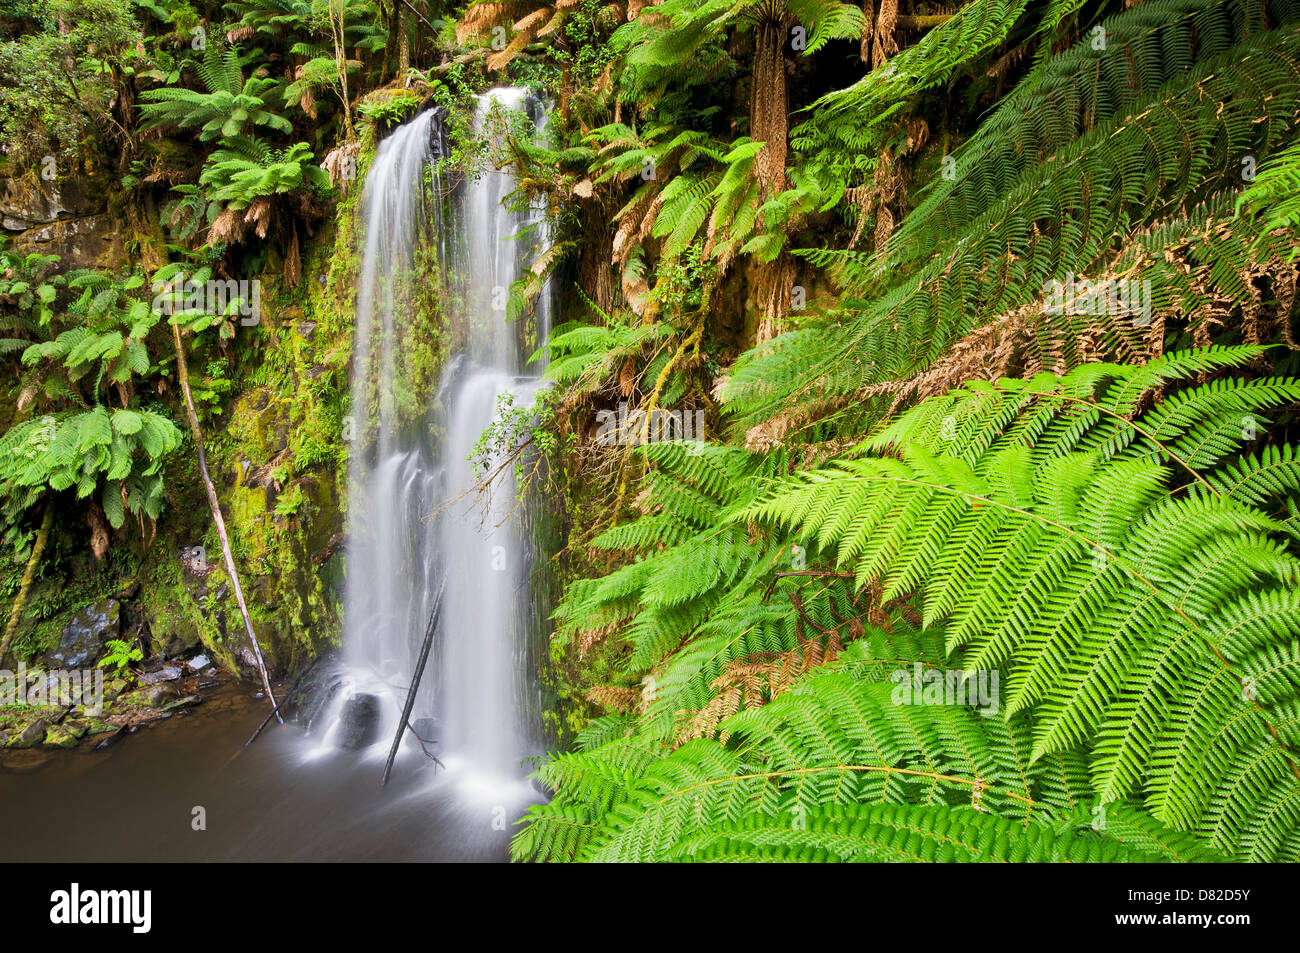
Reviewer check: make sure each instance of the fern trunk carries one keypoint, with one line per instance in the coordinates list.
(29, 576)
(770, 123)
(769, 116)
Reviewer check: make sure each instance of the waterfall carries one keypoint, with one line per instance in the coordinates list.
(419, 515)
(483, 645)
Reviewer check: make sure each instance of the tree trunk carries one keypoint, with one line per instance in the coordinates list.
(183, 373)
(29, 575)
(769, 122)
(769, 112)
(403, 42)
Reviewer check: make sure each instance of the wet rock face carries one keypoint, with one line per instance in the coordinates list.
(172, 637)
(66, 217)
(305, 703)
(359, 723)
(83, 640)
(28, 202)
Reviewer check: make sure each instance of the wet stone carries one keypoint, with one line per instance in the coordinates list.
(359, 723)
(82, 641)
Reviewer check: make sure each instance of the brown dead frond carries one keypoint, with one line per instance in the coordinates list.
(293, 262)
(588, 638)
(228, 227)
(754, 681)
(868, 31)
(480, 18)
(616, 698)
(341, 165)
(883, 43)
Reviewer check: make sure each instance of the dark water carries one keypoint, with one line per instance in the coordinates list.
(282, 799)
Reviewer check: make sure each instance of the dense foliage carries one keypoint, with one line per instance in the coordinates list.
(988, 549)
(1043, 385)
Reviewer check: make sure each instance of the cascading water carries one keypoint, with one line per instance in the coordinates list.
(420, 515)
(484, 645)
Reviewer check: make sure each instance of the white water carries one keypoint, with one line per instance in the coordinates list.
(417, 516)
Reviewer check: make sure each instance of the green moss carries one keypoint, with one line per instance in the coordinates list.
(181, 607)
(65, 735)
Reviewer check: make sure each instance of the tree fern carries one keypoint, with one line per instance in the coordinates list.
(1112, 565)
(1065, 213)
(231, 106)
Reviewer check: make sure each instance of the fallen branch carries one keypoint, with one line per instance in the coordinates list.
(288, 695)
(415, 683)
(183, 373)
(424, 746)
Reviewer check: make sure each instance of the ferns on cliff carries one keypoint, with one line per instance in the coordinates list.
(231, 106)
(1109, 177)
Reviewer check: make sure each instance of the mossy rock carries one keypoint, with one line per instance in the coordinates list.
(66, 735)
(252, 517)
(151, 696)
(31, 735)
(170, 632)
(182, 605)
(260, 426)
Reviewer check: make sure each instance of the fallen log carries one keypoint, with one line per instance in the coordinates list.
(415, 682)
(183, 373)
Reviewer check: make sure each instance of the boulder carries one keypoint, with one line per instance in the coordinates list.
(32, 735)
(84, 242)
(65, 736)
(27, 203)
(81, 644)
(160, 694)
(168, 673)
(359, 723)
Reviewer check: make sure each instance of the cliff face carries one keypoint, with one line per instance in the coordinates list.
(272, 402)
(66, 216)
